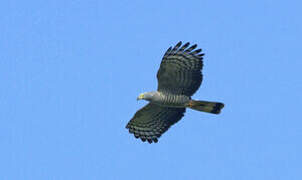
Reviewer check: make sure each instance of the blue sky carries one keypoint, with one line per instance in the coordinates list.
(70, 72)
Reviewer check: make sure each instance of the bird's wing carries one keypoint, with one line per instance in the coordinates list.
(180, 70)
(151, 121)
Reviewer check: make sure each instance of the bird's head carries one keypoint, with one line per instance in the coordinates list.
(146, 96)
(141, 96)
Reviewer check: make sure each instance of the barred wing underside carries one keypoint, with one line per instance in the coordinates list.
(151, 121)
(180, 70)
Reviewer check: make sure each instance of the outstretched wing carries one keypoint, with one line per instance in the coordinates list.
(180, 70)
(151, 121)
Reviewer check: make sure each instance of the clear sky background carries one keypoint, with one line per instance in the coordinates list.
(70, 72)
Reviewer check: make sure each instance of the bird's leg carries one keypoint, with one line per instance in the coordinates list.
(190, 104)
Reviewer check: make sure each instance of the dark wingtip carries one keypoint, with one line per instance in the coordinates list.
(150, 141)
(169, 49)
(193, 47)
(177, 45)
(186, 45)
(197, 51)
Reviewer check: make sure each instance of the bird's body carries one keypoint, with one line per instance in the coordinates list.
(166, 100)
(179, 77)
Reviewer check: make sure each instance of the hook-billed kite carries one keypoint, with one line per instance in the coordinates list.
(179, 77)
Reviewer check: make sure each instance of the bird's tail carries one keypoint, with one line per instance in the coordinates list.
(205, 106)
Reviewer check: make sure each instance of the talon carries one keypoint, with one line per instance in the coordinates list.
(190, 104)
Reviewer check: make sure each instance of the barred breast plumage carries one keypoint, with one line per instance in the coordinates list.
(170, 100)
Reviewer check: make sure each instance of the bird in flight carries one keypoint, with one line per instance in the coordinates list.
(179, 77)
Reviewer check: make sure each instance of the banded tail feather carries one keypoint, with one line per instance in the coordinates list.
(206, 106)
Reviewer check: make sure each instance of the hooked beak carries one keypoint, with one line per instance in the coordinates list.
(141, 96)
